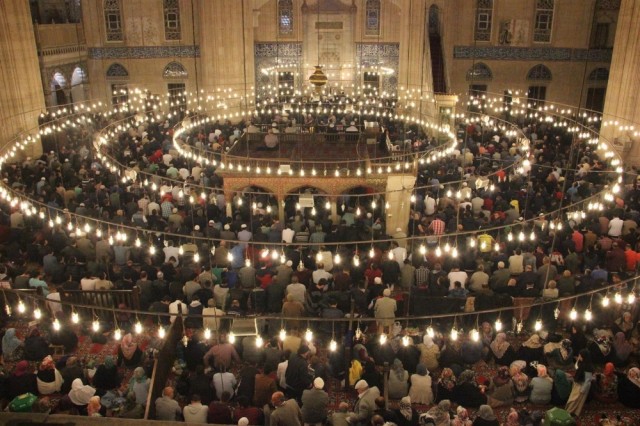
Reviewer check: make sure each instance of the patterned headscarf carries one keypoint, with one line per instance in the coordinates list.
(405, 408)
(47, 363)
(447, 378)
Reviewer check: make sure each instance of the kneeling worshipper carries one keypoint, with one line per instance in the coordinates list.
(49, 378)
(629, 388)
(129, 353)
(78, 396)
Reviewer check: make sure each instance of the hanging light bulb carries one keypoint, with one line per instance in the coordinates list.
(438, 251)
(185, 340)
(538, 325)
(333, 345)
(447, 247)
(232, 338)
(138, 327)
(308, 335)
(617, 298)
(412, 198)
(230, 257)
(383, 339)
(358, 212)
(319, 257)
(337, 259)
(75, 318)
(496, 247)
(247, 262)
(138, 243)
(510, 236)
(405, 340)
(472, 242)
(454, 252)
(283, 334)
(372, 253)
(430, 332)
(259, 341)
(423, 249)
(521, 236)
(117, 334)
(475, 335)
(573, 315)
(588, 315)
(606, 301)
(152, 250)
(556, 312)
(56, 324)
(532, 237)
(373, 205)
(454, 334)
(390, 255)
(95, 326)
(356, 261)
(37, 313)
(21, 307)
(207, 333)
(498, 325)
(631, 298)
(387, 205)
(162, 332)
(7, 309)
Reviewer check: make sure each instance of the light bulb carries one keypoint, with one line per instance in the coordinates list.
(496, 247)
(247, 262)
(333, 345)
(185, 340)
(230, 257)
(538, 325)
(454, 253)
(75, 318)
(7, 309)
(138, 243)
(413, 198)
(196, 257)
(390, 255)
(454, 334)
(556, 313)
(405, 340)
(532, 237)
(283, 334)
(438, 251)
(117, 334)
(447, 247)
(308, 335)
(358, 212)
(152, 250)
(618, 298)
(631, 298)
(138, 327)
(327, 205)
(510, 236)
(383, 339)
(259, 342)
(95, 326)
(423, 249)
(56, 324)
(207, 333)
(356, 261)
(37, 313)
(472, 242)
(430, 332)
(232, 338)
(498, 325)
(606, 301)
(588, 315)
(180, 251)
(372, 253)
(337, 259)
(475, 335)
(21, 307)
(573, 315)
(162, 332)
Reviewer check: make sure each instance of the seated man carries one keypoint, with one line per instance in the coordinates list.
(270, 142)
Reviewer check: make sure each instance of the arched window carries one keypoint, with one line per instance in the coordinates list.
(171, 19)
(479, 71)
(544, 21)
(599, 74)
(285, 17)
(539, 72)
(372, 17)
(484, 19)
(118, 71)
(79, 76)
(174, 70)
(113, 20)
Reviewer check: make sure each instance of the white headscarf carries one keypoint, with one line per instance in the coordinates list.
(80, 394)
(427, 341)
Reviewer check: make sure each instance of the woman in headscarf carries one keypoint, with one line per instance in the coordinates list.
(559, 355)
(421, 391)
(106, 376)
(429, 353)
(512, 418)
(128, 353)
(502, 350)
(406, 415)
(578, 339)
(139, 384)
(467, 393)
(446, 384)
(36, 347)
(601, 347)
(520, 381)
(440, 413)
(398, 380)
(606, 384)
(462, 417)
(501, 390)
(561, 388)
(622, 349)
(531, 350)
(48, 378)
(22, 380)
(79, 395)
(541, 387)
(486, 337)
(71, 371)
(12, 346)
(629, 388)
(94, 407)
(624, 324)
(581, 383)
(485, 417)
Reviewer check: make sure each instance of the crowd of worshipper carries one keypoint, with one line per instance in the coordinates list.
(433, 377)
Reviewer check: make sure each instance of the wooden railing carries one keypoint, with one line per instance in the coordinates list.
(102, 299)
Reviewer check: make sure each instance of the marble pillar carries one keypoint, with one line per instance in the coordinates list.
(622, 102)
(21, 97)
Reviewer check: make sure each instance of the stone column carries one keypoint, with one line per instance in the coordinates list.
(21, 97)
(622, 103)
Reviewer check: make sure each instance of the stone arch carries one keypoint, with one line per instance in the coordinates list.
(173, 70)
(117, 71)
(539, 72)
(479, 71)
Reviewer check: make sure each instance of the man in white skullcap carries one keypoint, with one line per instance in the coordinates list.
(365, 405)
(314, 404)
(385, 311)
